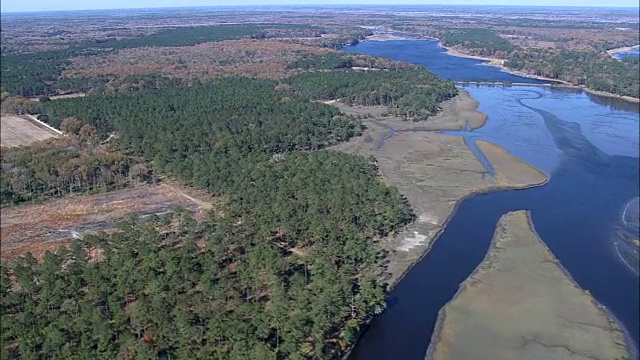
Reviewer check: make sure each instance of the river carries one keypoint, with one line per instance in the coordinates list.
(587, 145)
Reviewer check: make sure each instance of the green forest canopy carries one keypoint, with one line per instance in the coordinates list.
(289, 267)
(289, 271)
(597, 71)
(413, 93)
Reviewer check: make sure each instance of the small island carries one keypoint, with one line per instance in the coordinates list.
(520, 304)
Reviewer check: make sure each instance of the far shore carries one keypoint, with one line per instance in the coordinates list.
(499, 63)
(624, 49)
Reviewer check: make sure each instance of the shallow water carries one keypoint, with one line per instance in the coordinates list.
(587, 145)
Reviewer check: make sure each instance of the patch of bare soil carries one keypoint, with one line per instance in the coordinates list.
(47, 225)
(21, 131)
(520, 304)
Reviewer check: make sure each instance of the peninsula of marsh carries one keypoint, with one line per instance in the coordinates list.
(520, 304)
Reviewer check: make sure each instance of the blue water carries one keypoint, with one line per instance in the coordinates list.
(635, 52)
(589, 148)
(428, 53)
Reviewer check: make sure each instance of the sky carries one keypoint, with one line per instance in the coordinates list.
(49, 5)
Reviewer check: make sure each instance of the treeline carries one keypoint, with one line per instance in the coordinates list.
(412, 93)
(32, 74)
(193, 35)
(289, 271)
(346, 36)
(70, 165)
(341, 60)
(597, 71)
(482, 42)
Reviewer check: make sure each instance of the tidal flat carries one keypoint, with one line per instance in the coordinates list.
(520, 304)
(434, 171)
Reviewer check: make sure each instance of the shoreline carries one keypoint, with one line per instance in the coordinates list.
(436, 338)
(426, 251)
(499, 63)
(623, 49)
(442, 227)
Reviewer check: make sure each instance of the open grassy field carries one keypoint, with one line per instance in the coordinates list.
(19, 131)
(48, 225)
(520, 304)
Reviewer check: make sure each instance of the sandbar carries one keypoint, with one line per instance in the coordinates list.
(520, 304)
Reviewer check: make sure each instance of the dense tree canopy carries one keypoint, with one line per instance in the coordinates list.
(289, 271)
(481, 41)
(286, 267)
(40, 73)
(413, 93)
(597, 71)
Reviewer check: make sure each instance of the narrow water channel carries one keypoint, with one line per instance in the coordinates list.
(589, 148)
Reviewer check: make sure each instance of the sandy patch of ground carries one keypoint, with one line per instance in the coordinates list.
(432, 170)
(520, 304)
(19, 131)
(48, 225)
(509, 170)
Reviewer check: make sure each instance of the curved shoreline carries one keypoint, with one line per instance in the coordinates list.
(615, 324)
(468, 103)
(454, 210)
(499, 63)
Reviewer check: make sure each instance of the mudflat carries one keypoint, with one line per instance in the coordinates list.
(520, 304)
(509, 170)
(433, 171)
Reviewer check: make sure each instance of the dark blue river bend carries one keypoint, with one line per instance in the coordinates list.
(587, 145)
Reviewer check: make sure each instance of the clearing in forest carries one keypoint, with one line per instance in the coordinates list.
(20, 131)
(50, 224)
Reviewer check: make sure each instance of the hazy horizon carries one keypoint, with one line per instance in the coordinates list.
(17, 6)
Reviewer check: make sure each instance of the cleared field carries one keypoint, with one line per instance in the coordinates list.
(48, 225)
(520, 304)
(20, 131)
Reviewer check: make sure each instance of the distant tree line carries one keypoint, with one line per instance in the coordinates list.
(479, 41)
(39, 73)
(597, 71)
